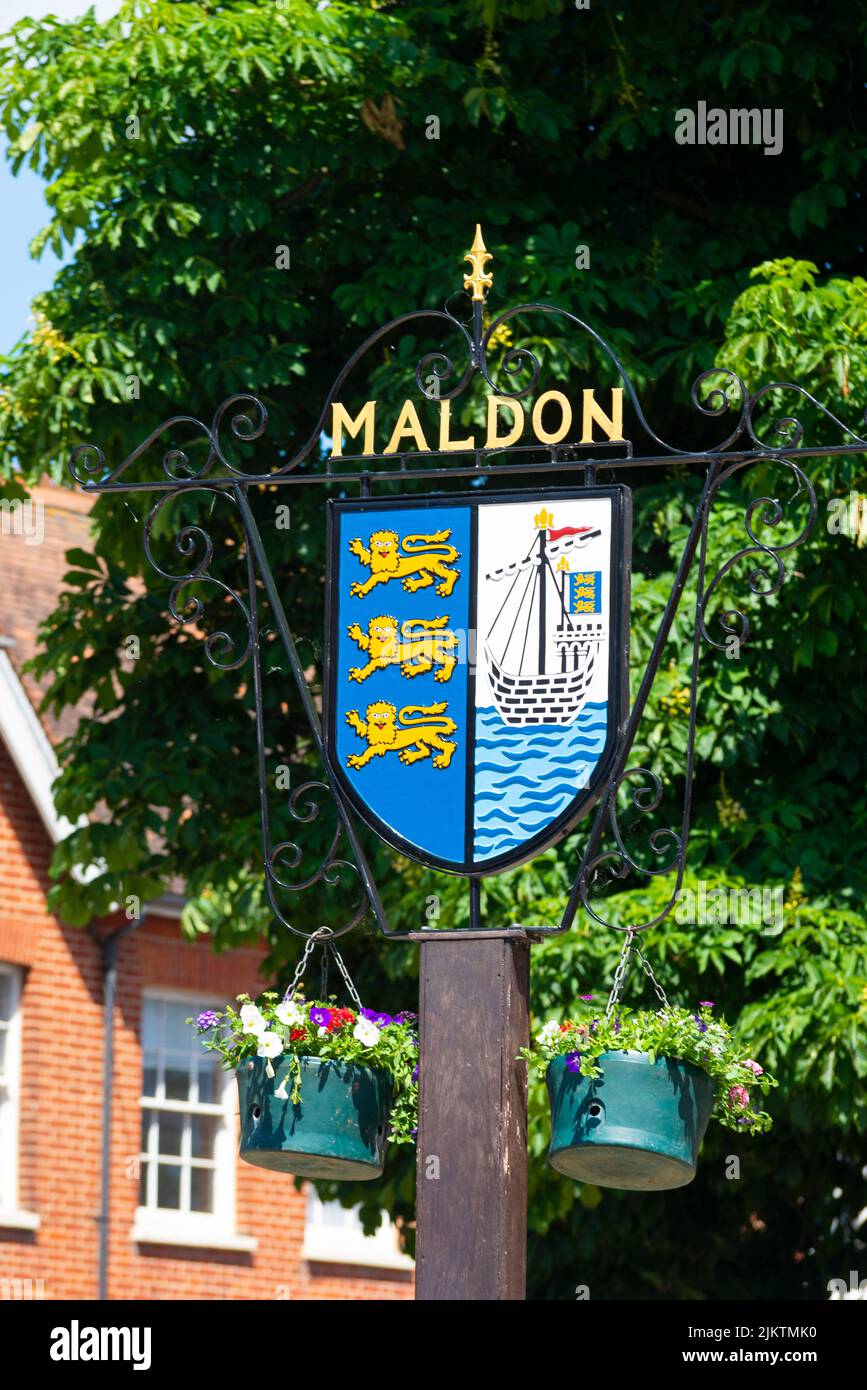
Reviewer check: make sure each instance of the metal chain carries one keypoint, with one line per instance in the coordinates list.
(322, 938)
(323, 977)
(312, 942)
(660, 992)
(620, 974)
(630, 949)
(353, 992)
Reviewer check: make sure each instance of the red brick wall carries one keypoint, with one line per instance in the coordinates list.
(61, 1117)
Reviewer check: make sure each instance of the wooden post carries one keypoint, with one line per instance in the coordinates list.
(471, 1204)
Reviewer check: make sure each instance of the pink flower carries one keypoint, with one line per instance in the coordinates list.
(739, 1095)
(752, 1066)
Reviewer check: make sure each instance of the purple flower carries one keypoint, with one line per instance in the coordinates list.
(585, 997)
(381, 1020)
(405, 1017)
(594, 1025)
(573, 1061)
(617, 1025)
(413, 1132)
(705, 1003)
(415, 1072)
(702, 1026)
(206, 1019)
(321, 1017)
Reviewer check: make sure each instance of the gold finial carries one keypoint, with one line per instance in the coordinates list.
(544, 519)
(562, 563)
(479, 282)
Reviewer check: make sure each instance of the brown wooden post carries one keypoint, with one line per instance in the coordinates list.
(471, 1205)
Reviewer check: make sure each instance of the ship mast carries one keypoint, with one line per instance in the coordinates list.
(563, 567)
(542, 521)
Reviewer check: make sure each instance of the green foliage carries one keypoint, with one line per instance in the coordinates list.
(676, 1033)
(183, 145)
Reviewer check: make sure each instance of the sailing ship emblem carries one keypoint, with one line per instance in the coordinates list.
(507, 629)
(536, 693)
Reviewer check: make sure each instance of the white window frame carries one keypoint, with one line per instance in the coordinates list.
(10, 1105)
(167, 1225)
(346, 1244)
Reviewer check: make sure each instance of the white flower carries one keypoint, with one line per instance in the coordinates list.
(366, 1033)
(280, 1091)
(289, 1013)
(547, 1033)
(252, 1020)
(270, 1045)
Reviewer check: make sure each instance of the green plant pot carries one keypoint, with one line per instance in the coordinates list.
(337, 1130)
(638, 1126)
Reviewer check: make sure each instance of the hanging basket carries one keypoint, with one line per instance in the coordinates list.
(638, 1126)
(337, 1129)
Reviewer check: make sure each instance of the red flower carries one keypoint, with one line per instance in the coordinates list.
(564, 1027)
(339, 1019)
(297, 1033)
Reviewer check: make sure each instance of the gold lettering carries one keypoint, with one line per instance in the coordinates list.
(407, 423)
(565, 422)
(495, 441)
(594, 414)
(448, 445)
(341, 420)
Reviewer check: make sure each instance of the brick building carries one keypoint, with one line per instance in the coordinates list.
(184, 1218)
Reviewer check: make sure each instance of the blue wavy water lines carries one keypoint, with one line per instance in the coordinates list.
(556, 762)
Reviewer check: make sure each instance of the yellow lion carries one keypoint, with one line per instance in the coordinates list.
(424, 557)
(386, 731)
(425, 645)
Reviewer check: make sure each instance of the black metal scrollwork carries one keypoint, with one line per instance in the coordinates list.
(790, 431)
(330, 870)
(617, 865)
(764, 579)
(194, 544)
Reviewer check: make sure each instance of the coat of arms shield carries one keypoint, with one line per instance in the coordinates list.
(476, 667)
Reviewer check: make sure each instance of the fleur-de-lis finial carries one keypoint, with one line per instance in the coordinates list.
(479, 281)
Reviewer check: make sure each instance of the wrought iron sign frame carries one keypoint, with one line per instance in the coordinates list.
(246, 419)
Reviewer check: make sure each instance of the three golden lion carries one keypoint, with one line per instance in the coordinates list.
(385, 731)
(424, 558)
(417, 645)
(424, 646)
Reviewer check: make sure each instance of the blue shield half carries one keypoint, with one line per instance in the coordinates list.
(476, 667)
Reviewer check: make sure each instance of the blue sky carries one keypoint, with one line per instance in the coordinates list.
(22, 198)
